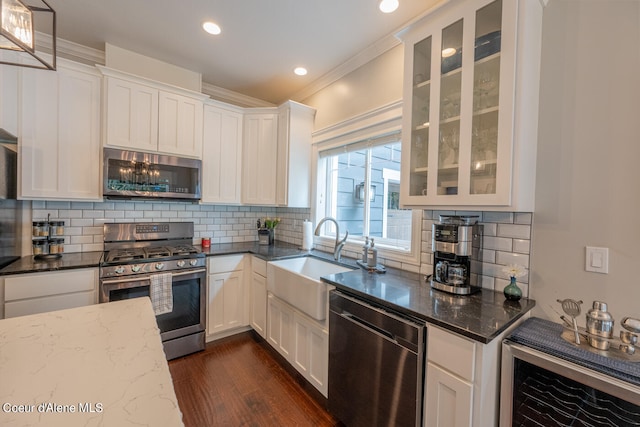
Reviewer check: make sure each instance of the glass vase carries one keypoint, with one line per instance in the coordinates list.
(272, 237)
(512, 292)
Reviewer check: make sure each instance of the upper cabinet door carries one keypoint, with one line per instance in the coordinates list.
(131, 115)
(180, 125)
(221, 155)
(470, 100)
(260, 147)
(59, 145)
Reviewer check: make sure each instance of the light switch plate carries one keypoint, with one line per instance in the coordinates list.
(597, 260)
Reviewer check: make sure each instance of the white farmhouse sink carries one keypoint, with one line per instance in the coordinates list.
(297, 281)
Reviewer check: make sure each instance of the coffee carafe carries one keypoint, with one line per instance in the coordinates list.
(457, 252)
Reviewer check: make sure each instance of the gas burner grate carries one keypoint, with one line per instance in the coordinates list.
(119, 255)
(158, 252)
(184, 250)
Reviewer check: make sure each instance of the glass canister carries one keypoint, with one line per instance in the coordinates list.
(56, 246)
(40, 229)
(40, 247)
(56, 228)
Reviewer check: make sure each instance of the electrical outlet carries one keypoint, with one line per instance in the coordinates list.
(597, 260)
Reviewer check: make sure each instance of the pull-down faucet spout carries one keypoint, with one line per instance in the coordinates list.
(337, 250)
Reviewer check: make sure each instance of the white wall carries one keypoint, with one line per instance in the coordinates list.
(588, 156)
(375, 84)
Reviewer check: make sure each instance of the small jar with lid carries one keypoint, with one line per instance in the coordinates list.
(40, 247)
(56, 246)
(56, 228)
(40, 229)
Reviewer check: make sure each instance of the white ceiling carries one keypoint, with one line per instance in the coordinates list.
(261, 41)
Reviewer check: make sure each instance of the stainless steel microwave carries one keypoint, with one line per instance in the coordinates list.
(132, 174)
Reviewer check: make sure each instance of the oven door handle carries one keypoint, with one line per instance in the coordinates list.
(146, 277)
(126, 280)
(184, 273)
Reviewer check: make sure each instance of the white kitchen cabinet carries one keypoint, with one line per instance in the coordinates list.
(260, 150)
(280, 326)
(222, 154)
(471, 106)
(226, 300)
(449, 402)
(131, 115)
(277, 155)
(301, 340)
(144, 115)
(258, 296)
(9, 93)
(293, 180)
(33, 293)
(179, 124)
(59, 145)
(311, 351)
(462, 381)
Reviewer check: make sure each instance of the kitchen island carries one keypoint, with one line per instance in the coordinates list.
(96, 365)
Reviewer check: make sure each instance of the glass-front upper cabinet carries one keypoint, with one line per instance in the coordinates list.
(470, 105)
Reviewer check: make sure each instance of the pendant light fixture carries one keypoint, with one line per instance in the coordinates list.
(18, 33)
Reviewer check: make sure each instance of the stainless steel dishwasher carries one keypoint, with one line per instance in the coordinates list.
(376, 364)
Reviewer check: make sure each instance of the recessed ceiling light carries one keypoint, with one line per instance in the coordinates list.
(388, 6)
(211, 28)
(300, 71)
(447, 52)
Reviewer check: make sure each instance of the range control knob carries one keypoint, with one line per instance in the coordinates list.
(193, 262)
(181, 263)
(159, 266)
(135, 268)
(119, 269)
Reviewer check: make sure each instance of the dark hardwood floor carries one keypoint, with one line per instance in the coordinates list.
(238, 381)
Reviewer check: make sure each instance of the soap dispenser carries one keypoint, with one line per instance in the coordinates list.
(372, 256)
(365, 250)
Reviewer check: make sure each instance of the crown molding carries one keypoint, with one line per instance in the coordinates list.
(71, 50)
(226, 95)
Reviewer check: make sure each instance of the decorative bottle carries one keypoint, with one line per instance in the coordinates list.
(512, 292)
(372, 256)
(365, 250)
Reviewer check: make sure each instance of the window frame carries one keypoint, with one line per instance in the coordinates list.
(381, 122)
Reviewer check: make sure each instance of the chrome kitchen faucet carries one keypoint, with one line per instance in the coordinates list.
(337, 250)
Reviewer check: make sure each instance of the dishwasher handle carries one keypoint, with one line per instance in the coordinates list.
(370, 326)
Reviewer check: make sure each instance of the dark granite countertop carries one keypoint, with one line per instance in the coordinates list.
(28, 264)
(267, 252)
(481, 316)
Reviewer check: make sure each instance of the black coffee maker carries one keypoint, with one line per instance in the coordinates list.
(457, 254)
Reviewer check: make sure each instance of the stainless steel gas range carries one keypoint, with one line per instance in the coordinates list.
(138, 256)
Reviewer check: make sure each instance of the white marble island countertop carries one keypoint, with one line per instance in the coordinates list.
(101, 365)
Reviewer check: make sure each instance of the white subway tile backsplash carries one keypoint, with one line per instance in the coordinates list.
(521, 246)
(514, 231)
(501, 217)
(506, 258)
(523, 218)
(114, 214)
(490, 229)
(93, 214)
(497, 243)
(81, 223)
(506, 234)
